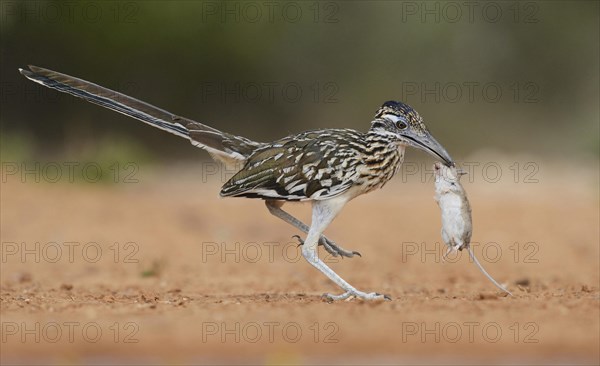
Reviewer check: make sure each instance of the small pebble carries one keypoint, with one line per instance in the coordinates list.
(523, 282)
(487, 296)
(586, 288)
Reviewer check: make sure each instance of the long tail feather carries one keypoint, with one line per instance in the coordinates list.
(106, 98)
(223, 146)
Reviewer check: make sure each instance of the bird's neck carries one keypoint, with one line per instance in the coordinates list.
(381, 142)
(383, 156)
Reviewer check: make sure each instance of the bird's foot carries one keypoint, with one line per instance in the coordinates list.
(335, 249)
(357, 294)
(331, 247)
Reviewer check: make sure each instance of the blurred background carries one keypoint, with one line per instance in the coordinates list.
(512, 77)
(510, 88)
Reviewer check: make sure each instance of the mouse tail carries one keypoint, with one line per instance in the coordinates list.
(485, 272)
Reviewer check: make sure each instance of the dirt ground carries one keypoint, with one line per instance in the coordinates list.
(162, 270)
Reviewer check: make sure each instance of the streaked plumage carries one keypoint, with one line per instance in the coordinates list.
(317, 165)
(328, 167)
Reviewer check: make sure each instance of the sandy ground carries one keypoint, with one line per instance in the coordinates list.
(163, 270)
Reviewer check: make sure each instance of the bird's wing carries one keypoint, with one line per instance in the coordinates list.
(312, 165)
(221, 145)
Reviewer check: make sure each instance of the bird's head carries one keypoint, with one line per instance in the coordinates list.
(406, 125)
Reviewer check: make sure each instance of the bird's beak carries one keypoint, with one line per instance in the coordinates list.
(429, 144)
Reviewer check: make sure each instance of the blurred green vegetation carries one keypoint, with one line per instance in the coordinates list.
(104, 161)
(207, 59)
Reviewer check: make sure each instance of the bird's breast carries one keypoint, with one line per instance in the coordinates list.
(381, 165)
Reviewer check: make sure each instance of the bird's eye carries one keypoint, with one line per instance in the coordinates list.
(401, 125)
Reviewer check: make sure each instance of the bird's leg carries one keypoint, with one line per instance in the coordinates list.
(333, 249)
(323, 213)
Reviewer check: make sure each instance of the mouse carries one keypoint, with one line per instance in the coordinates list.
(457, 223)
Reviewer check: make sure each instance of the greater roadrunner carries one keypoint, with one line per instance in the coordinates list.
(328, 167)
